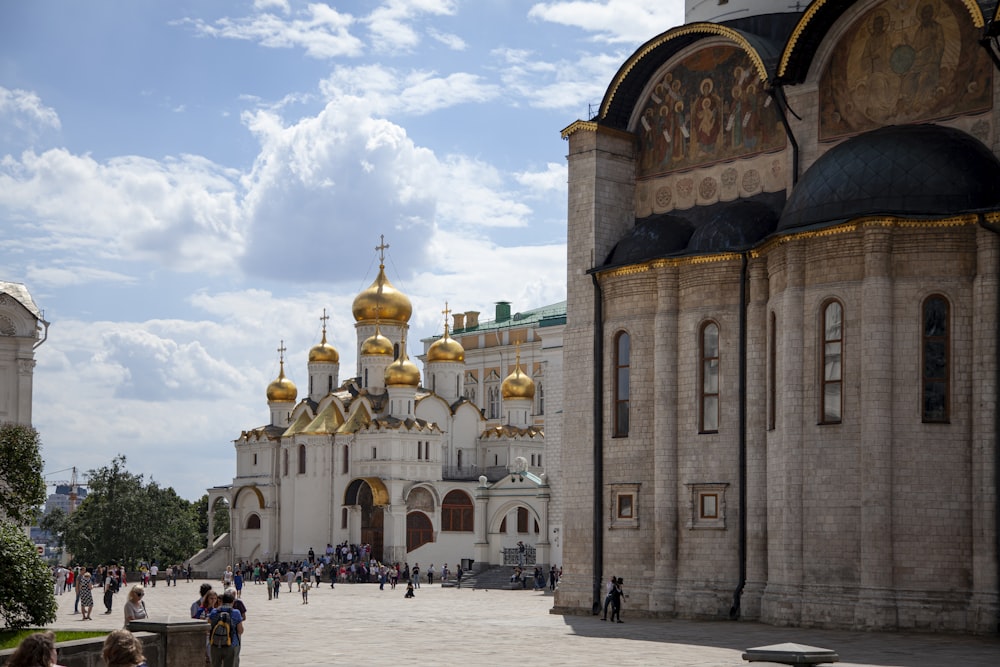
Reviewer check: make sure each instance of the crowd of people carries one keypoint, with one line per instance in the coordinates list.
(121, 649)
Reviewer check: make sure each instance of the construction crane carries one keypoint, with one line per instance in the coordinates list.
(72, 483)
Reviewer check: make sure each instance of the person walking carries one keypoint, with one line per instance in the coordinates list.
(617, 597)
(607, 596)
(86, 596)
(225, 649)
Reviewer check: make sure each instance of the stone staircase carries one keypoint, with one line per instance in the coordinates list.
(497, 577)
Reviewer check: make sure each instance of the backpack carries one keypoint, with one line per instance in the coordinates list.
(222, 628)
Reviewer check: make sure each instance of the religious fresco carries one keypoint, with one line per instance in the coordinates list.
(709, 107)
(904, 61)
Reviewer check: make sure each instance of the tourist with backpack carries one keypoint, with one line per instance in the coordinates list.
(225, 628)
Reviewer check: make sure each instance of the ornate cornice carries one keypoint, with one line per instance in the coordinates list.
(591, 126)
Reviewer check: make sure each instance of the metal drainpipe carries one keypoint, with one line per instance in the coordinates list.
(778, 95)
(996, 428)
(734, 611)
(598, 452)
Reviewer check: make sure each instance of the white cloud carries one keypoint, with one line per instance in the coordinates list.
(320, 30)
(74, 274)
(545, 183)
(25, 109)
(613, 21)
(390, 23)
(272, 4)
(182, 212)
(453, 42)
(564, 84)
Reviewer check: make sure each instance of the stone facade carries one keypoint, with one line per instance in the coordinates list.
(811, 431)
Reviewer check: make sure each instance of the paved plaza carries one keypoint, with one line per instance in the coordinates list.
(360, 625)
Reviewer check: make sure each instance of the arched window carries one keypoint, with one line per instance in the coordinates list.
(522, 520)
(832, 369)
(346, 460)
(623, 353)
(709, 407)
(418, 530)
(494, 398)
(540, 395)
(285, 462)
(503, 525)
(253, 522)
(459, 456)
(302, 459)
(456, 512)
(343, 518)
(935, 360)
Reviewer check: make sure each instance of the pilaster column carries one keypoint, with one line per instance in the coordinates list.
(876, 607)
(482, 545)
(666, 489)
(756, 439)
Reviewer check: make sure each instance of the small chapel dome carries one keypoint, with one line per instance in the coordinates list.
(324, 353)
(402, 372)
(517, 385)
(282, 389)
(446, 348)
(377, 345)
(382, 301)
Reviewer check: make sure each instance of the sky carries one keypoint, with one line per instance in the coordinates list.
(186, 184)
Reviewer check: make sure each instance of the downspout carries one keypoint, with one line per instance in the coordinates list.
(734, 611)
(992, 227)
(598, 452)
(781, 104)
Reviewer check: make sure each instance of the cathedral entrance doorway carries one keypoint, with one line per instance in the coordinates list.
(370, 496)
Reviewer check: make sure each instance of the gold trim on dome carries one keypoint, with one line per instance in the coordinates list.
(380, 494)
(691, 28)
(975, 13)
(668, 262)
(860, 223)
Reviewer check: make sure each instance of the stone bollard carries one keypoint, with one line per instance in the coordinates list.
(181, 640)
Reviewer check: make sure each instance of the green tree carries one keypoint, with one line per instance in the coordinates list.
(220, 520)
(26, 596)
(125, 520)
(22, 489)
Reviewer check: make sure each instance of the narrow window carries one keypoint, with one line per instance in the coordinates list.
(709, 378)
(345, 461)
(494, 399)
(343, 518)
(539, 460)
(329, 384)
(374, 453)
(540, 393)
(936, 356)
(253, 522)
(310, 384)
(833, 345)
(255, 459)
(460, 458)
(622, 354)
(522, 520)
(285, 462)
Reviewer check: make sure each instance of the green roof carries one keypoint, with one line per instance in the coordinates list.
(546, 316)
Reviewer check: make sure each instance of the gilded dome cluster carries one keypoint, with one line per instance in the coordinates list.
(517, 385)
(382, 301)
(324, 353)
(282, 390)
(402, 372)
(446, 348)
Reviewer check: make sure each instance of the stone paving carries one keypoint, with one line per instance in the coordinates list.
(360, 625)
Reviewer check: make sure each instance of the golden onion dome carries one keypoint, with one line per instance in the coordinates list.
(402, 372)
(377, 345)
(446, 348)
(324, 353)
(282, 390)
(517, 385)
(382, 301)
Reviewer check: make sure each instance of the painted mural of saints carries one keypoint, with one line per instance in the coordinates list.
(904, 61)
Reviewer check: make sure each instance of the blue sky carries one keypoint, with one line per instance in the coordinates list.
(184, 184)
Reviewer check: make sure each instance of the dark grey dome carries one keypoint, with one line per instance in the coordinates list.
(906, 170)
(652, 236)
(736, 227)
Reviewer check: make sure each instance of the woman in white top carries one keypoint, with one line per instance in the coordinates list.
(135, 608)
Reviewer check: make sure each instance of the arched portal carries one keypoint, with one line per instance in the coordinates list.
(371, 496)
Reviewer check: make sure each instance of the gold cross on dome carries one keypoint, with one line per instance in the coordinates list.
(446, 312)
(324, 319)
(381, 247)
(281, 351)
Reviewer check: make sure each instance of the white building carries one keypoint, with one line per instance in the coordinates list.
(409, 463)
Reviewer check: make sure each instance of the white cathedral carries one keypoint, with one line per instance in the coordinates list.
(418, 470)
